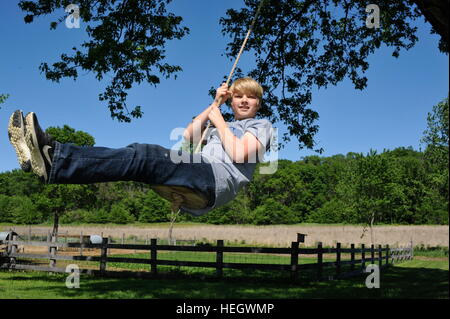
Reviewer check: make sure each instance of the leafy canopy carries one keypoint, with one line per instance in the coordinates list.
(298, 45)
(127, 40)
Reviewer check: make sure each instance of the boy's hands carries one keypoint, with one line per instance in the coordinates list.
(222, 94)
(215, 116)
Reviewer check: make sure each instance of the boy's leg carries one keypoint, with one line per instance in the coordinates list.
(147, 163)
(60, 163)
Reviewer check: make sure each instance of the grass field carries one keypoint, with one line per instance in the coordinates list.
(423, 277)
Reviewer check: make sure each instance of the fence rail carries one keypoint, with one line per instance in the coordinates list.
(381, 255)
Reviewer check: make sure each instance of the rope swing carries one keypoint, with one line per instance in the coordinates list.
(185, 196)
(233, 68)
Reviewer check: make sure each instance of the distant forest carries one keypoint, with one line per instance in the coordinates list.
(400, 186)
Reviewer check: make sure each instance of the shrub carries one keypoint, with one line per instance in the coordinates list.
(155, 209)
(23, 211)
(120, 215)
(273, 212)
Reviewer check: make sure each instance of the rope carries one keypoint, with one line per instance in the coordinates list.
(233, 68)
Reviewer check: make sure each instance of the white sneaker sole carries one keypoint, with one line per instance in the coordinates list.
(37, 161)
(16, 134)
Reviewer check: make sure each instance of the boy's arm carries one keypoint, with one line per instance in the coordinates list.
(194, 131)
(239, 149)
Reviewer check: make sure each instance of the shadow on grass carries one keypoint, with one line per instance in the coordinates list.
(395, 282)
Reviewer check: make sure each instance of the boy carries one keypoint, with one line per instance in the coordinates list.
(219, 171)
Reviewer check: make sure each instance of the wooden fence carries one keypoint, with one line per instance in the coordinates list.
(383, 256)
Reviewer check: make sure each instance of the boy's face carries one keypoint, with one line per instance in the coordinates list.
(245, 105)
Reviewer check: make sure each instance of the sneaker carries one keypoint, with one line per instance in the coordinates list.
(16, 135)
(41, 146)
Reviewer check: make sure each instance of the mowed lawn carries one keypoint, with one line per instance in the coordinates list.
(419, 278)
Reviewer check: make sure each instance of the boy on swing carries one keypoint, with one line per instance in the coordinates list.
(225, 164)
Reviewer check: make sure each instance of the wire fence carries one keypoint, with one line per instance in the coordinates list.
(155, 257)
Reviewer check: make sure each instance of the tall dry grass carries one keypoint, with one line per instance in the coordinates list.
(277, 236)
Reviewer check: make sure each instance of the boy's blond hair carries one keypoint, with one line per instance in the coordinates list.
(248, 86)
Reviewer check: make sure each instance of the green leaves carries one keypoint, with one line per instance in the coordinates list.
(67, 134)
(299, 45)
(126, 43)
(394, 187)
(3, 98)
(436, 142)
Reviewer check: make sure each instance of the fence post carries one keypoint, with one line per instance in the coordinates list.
(104, 255)
(411, 254)
(294, 260)
(109, 242)
(319, 261)
(338, 260)
(352, 257)
(219, 259)
(48, 241)
(12, 260)
(387, 255)
(153, 256)
(81, 243)
(53, 253)
(380, 257)
(372, 254)
(363, 258)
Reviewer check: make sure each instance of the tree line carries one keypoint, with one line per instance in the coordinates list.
(398, 186)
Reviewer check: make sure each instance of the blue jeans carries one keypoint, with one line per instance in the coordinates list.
(147, 163)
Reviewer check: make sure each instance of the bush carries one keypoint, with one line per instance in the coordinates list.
(334, 211)
(155, 209)
(98, 216)
(120, 215)
(74, 216)
(5, 208)
(273, 213)
(23, 211)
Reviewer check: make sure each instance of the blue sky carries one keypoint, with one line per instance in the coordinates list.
(391, 112)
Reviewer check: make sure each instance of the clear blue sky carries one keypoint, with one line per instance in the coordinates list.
(391, 112)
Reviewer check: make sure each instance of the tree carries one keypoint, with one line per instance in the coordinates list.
(436, 154)
(3, 98)
(297, 44)
(154, 209)
(66, 134)
(436, 136)
(437, 12)
(301, 44)
(272, 212)
(126, 40)
(58, 198)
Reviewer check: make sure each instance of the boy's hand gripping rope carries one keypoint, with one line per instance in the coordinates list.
(232, 69)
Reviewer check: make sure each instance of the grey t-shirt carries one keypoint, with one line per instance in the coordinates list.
(231, 177)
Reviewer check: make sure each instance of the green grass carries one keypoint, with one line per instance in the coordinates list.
(432, 252)
(410, 279)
